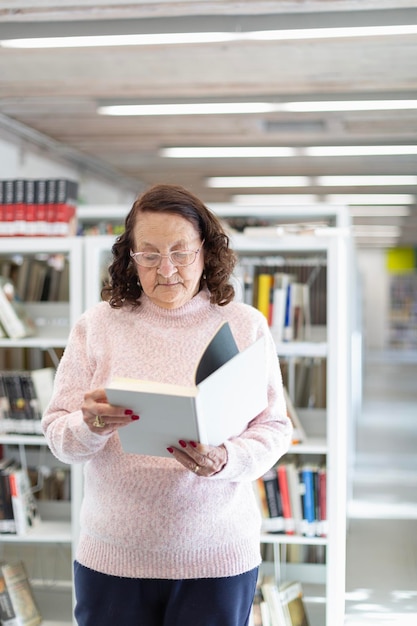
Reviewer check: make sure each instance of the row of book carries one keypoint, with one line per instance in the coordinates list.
(37, 277)
(279, 605)
(292, 298)
(24, 395)
(18, 606)
(38, 207)
(293, 499)
(19, 511)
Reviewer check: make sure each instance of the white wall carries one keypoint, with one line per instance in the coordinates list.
(18, 159)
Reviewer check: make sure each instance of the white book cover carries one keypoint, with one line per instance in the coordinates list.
(212, 411)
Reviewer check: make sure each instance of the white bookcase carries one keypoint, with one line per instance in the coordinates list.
(336, 350)
(47, 549)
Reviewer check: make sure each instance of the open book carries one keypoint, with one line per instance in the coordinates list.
(230, 390)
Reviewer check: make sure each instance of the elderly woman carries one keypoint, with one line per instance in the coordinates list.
(160, 544)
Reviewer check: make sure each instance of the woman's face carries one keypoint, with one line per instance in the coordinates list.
(167, 285)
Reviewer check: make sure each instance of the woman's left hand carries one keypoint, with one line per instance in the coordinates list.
(200, 459)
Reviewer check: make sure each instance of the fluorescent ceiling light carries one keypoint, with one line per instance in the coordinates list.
(233, 152)
(346, 105)
(381, 230)
(258, 181)
(226, 152)
(379, 211)
(209, 37)
(226, 108)
(190, 108)
(308, 181)
(384, 199)
(359, 150)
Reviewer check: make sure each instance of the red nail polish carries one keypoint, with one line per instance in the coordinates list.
(193, 443)
(182, 443)
(128, 412)
(135, 417)
(170, 450)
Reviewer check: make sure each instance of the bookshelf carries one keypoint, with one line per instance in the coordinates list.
(327, 434)
(48, 548)
(334, 349)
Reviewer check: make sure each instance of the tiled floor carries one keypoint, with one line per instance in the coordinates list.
(382, 528)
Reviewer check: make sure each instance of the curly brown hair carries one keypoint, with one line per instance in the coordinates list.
(219, 259)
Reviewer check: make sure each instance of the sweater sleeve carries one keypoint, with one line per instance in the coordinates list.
(268, 435)
(68, 437)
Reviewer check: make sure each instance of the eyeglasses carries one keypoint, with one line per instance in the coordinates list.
(179, 258)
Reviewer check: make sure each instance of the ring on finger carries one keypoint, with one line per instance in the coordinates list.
(98, 422)
(196, 469)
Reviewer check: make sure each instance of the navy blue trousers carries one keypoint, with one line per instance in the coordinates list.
(103, 600)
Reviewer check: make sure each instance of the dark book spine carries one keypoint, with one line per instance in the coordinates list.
(51, 205)
(40, 203)
(19, 207)
(9, 209)
(30, 206)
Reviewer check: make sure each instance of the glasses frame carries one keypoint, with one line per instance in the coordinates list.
(138, 255)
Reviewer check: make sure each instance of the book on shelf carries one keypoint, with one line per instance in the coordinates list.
(7, 614)
(19, 510)
(24, 395)
(230, 390)
(20, 594)
(7, 520)
(282, 298)
(291, 594)
(284, 488)
(272, 599)
(292, 499)
(285, 602)
(299, 434)
(307, 481)
(13, 316)
(37, 207)
(273, 516)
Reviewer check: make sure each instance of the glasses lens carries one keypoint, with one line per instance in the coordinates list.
(182, 257)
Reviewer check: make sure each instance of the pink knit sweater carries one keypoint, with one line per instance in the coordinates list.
(149, 517)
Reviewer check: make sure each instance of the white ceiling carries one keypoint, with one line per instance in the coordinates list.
(56, 92)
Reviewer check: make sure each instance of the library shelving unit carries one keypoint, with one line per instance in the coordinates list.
(330, 438)
(48, 548)
(327, 428)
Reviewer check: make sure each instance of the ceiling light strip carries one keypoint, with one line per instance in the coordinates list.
(209, 37)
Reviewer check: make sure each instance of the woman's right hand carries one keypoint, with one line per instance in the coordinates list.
(101, 417)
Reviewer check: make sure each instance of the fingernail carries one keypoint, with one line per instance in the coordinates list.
(170, 450)
(135, 417)
(182, 443)
(128, 412)
(193, 443)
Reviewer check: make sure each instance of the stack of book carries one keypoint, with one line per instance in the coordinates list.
(38, 208)
(18, 508)
(24, 395)
(279, 605)
(293, 499)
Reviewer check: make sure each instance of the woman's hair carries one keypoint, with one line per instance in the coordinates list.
(219, 259)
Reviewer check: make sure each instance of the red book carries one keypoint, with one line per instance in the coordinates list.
(8, 208)
(66, 203)
(285, 499)
(19, 207)
(51, 206)
(30, 206)
(40, 202)
(322, 498)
